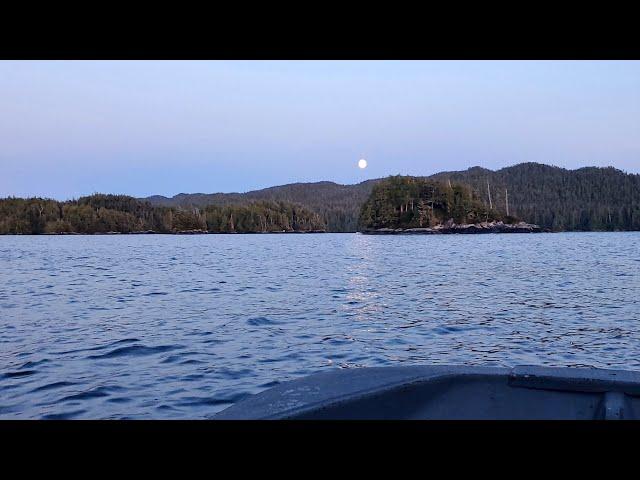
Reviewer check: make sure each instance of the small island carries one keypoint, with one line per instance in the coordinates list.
(412, 205)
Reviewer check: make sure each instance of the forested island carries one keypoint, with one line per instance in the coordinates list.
(122, 214)
(556, 199)
(402, 204)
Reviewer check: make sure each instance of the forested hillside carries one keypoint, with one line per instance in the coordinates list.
(555, 198)
(585, 199)
(337, 205)
(119, 213)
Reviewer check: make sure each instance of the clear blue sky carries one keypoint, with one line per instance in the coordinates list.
(143, 128)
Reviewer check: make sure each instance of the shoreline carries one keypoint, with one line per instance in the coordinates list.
(182, 232)
(382, 231)
(451, 228)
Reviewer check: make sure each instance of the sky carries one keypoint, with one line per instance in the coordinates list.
(71, 128)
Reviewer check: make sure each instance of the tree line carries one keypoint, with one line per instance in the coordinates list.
(101, 213)
(555, 198)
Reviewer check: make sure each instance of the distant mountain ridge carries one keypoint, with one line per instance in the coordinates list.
(339, 205)
(588, 198)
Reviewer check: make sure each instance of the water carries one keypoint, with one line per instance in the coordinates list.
(156, 326)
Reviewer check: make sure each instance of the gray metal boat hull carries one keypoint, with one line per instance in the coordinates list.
(449, 393)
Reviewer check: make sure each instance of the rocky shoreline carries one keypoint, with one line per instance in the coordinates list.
(451, 228)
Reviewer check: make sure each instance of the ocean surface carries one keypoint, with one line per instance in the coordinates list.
(182, 326)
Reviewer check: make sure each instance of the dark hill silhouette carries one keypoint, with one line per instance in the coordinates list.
(589, 198)
(338, 205)
(554, 198)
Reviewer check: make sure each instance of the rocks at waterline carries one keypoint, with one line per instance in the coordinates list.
(450, 227)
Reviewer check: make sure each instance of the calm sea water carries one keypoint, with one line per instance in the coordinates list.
(156, 326)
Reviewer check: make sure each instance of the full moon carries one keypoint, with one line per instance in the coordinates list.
(362, 163)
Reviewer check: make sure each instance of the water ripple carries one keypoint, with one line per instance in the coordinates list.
(134, 350)
(181, 327)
